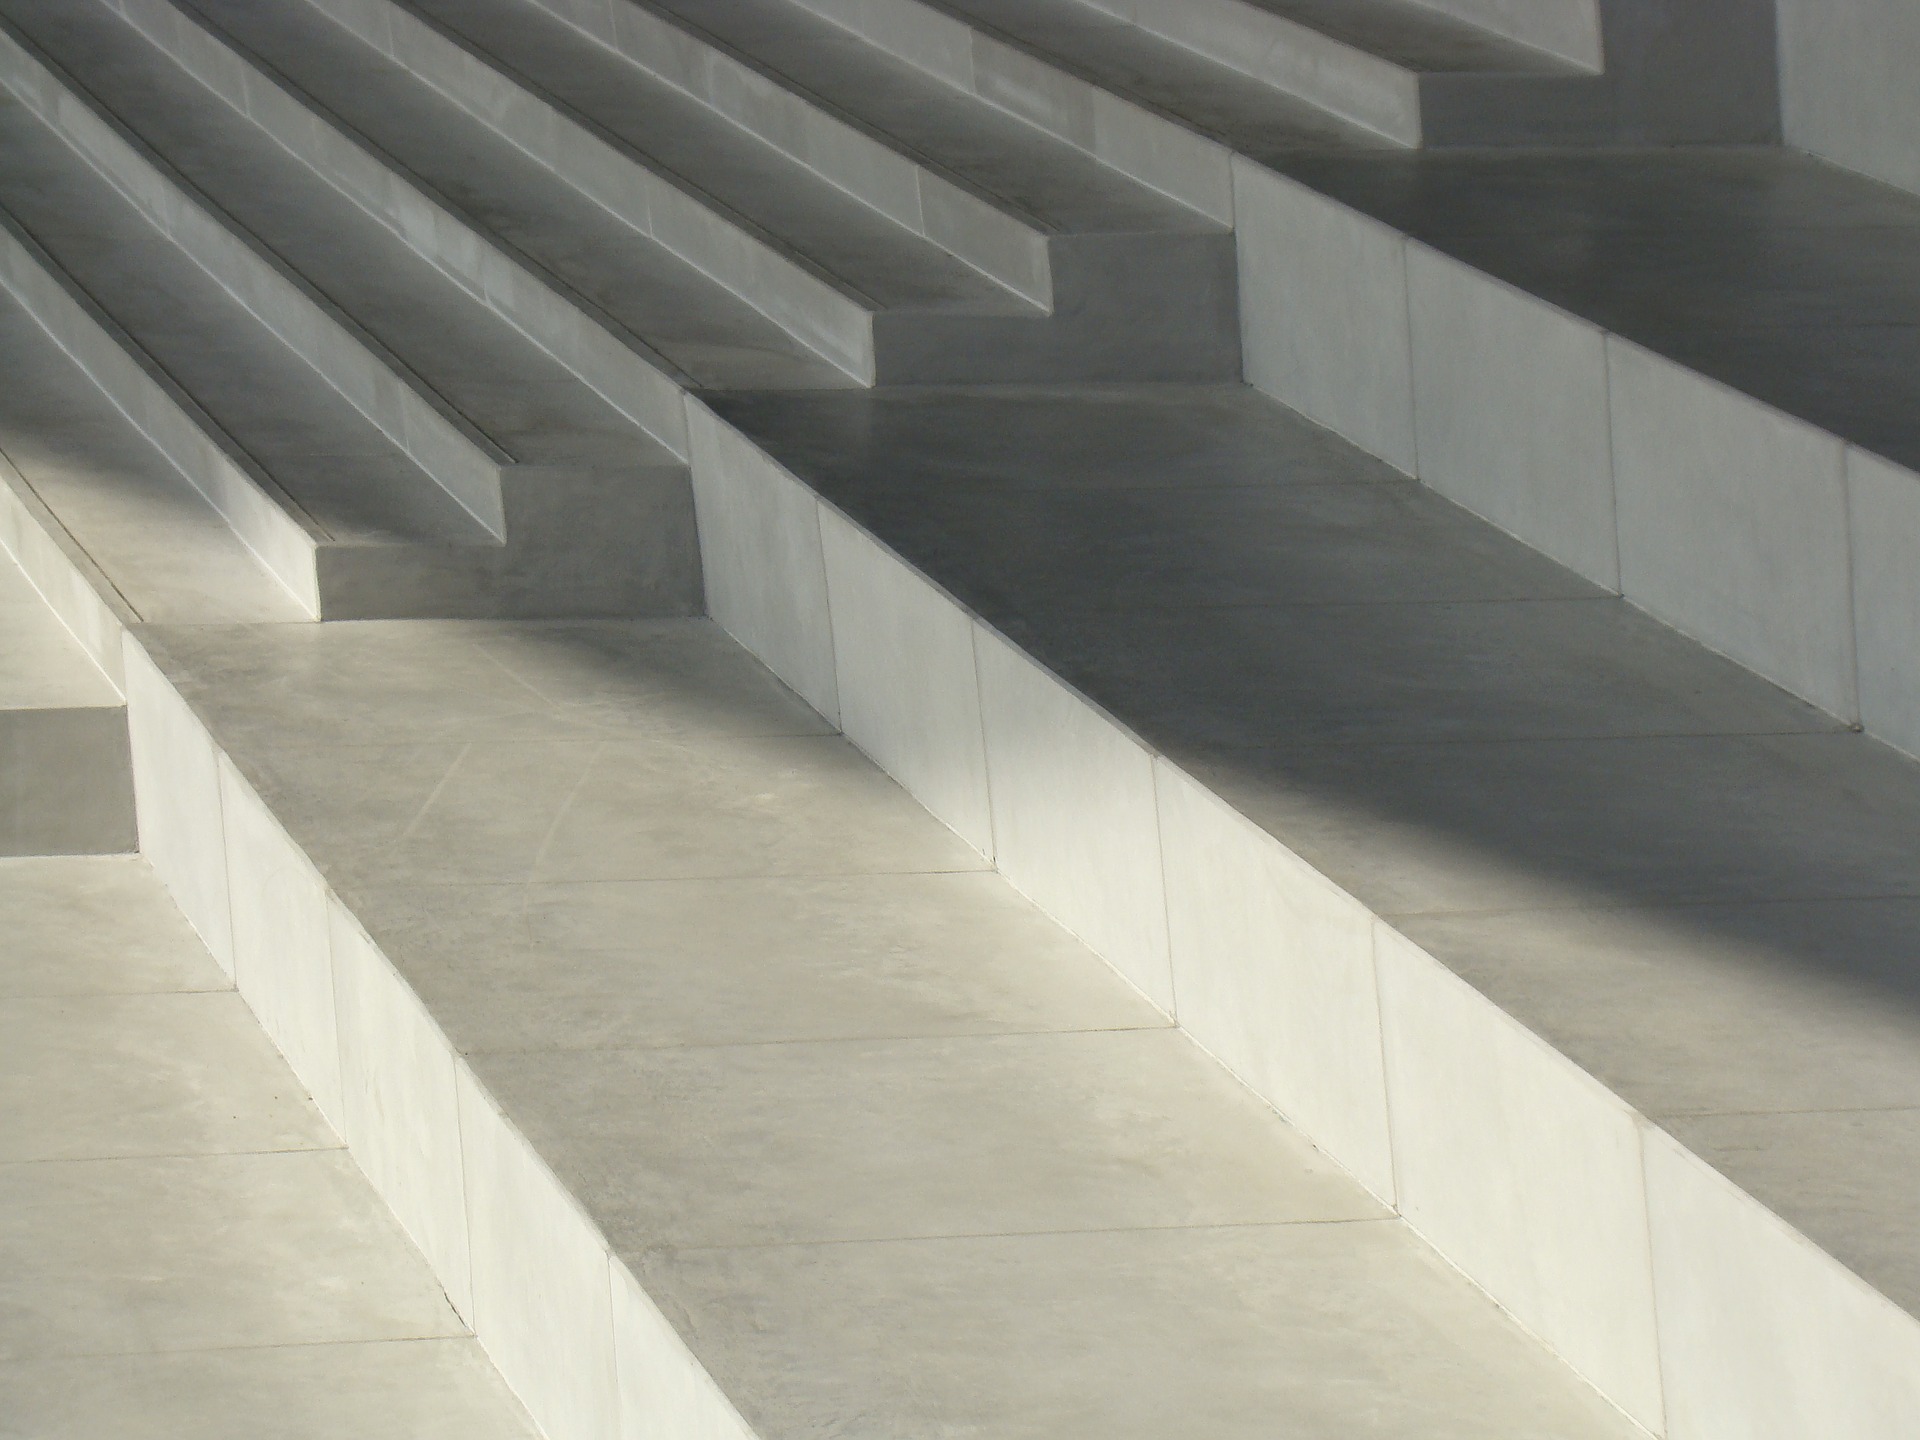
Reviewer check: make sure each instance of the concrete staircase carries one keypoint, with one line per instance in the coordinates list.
(1548, 869)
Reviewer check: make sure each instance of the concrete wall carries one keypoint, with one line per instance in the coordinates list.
(1847, 84)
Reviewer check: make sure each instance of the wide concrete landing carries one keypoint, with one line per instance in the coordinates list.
(185, 1249)
(1699, 888)
(890, 1151)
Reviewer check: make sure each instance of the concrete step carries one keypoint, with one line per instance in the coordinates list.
(1402, 70)
(348, 457)
(875, 297)
(188, 1249)
(66, 787)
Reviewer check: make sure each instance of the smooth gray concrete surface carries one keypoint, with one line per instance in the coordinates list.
(1438, 737)
(187, 1249)
(782, 1036)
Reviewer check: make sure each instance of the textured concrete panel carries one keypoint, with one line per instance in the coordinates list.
(1273, 973)
(1510, 403)
(1733, 525)
(1762, 1335)
(1883, 502)
(1323, 312)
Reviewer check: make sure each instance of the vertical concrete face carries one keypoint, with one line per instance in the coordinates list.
(1847, 90)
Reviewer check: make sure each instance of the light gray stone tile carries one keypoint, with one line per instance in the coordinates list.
(281, 956)
(873, 1140)
(96, 925)
(379, 1390)
(1883, 503)
(737, 961)
(1273, 973)
(1510, 406)
(400, 1111)
(1760, 1332)
(1074, 824)
(1121, 1335)
(1733, 525)
(1323, 312)
(167, 1254)
(541, 1297)
(176, 787)
(909, 695)
(1523, 1171)
(101, 1076)
(665, 1393)
(760, 553)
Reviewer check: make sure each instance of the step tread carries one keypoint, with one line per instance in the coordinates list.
(500, 382)
(314, 444)
(880, 1140)
(1415, 37)
(1588, 816)
(42, 666)
(1063, 188)
(890, 266)
(710, 334)
(1780, 275)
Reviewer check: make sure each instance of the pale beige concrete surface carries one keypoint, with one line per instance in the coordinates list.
(185, 1249)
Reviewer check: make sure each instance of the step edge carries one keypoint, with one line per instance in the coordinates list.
(652, 401)
(1012, 229)
(832, 319)
(458, 458)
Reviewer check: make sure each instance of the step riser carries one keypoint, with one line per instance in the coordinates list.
(814, 311)
(637, 555)
(1158, 152)
(1455, 377)
(66, 782)
(1128, 308)
(912, 196)
(377, 385)
(619, 367)
(1577, 1213)
(248, 501)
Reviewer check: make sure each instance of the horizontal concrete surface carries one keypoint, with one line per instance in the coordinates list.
(727, 1015)
(187, 1247)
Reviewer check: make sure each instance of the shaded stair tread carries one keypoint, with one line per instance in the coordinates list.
(1034, 175)
(1514, 767)
(500, 382)
(713, 336)
(889, 267)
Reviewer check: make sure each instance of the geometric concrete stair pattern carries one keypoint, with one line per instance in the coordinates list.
(1443, 849)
